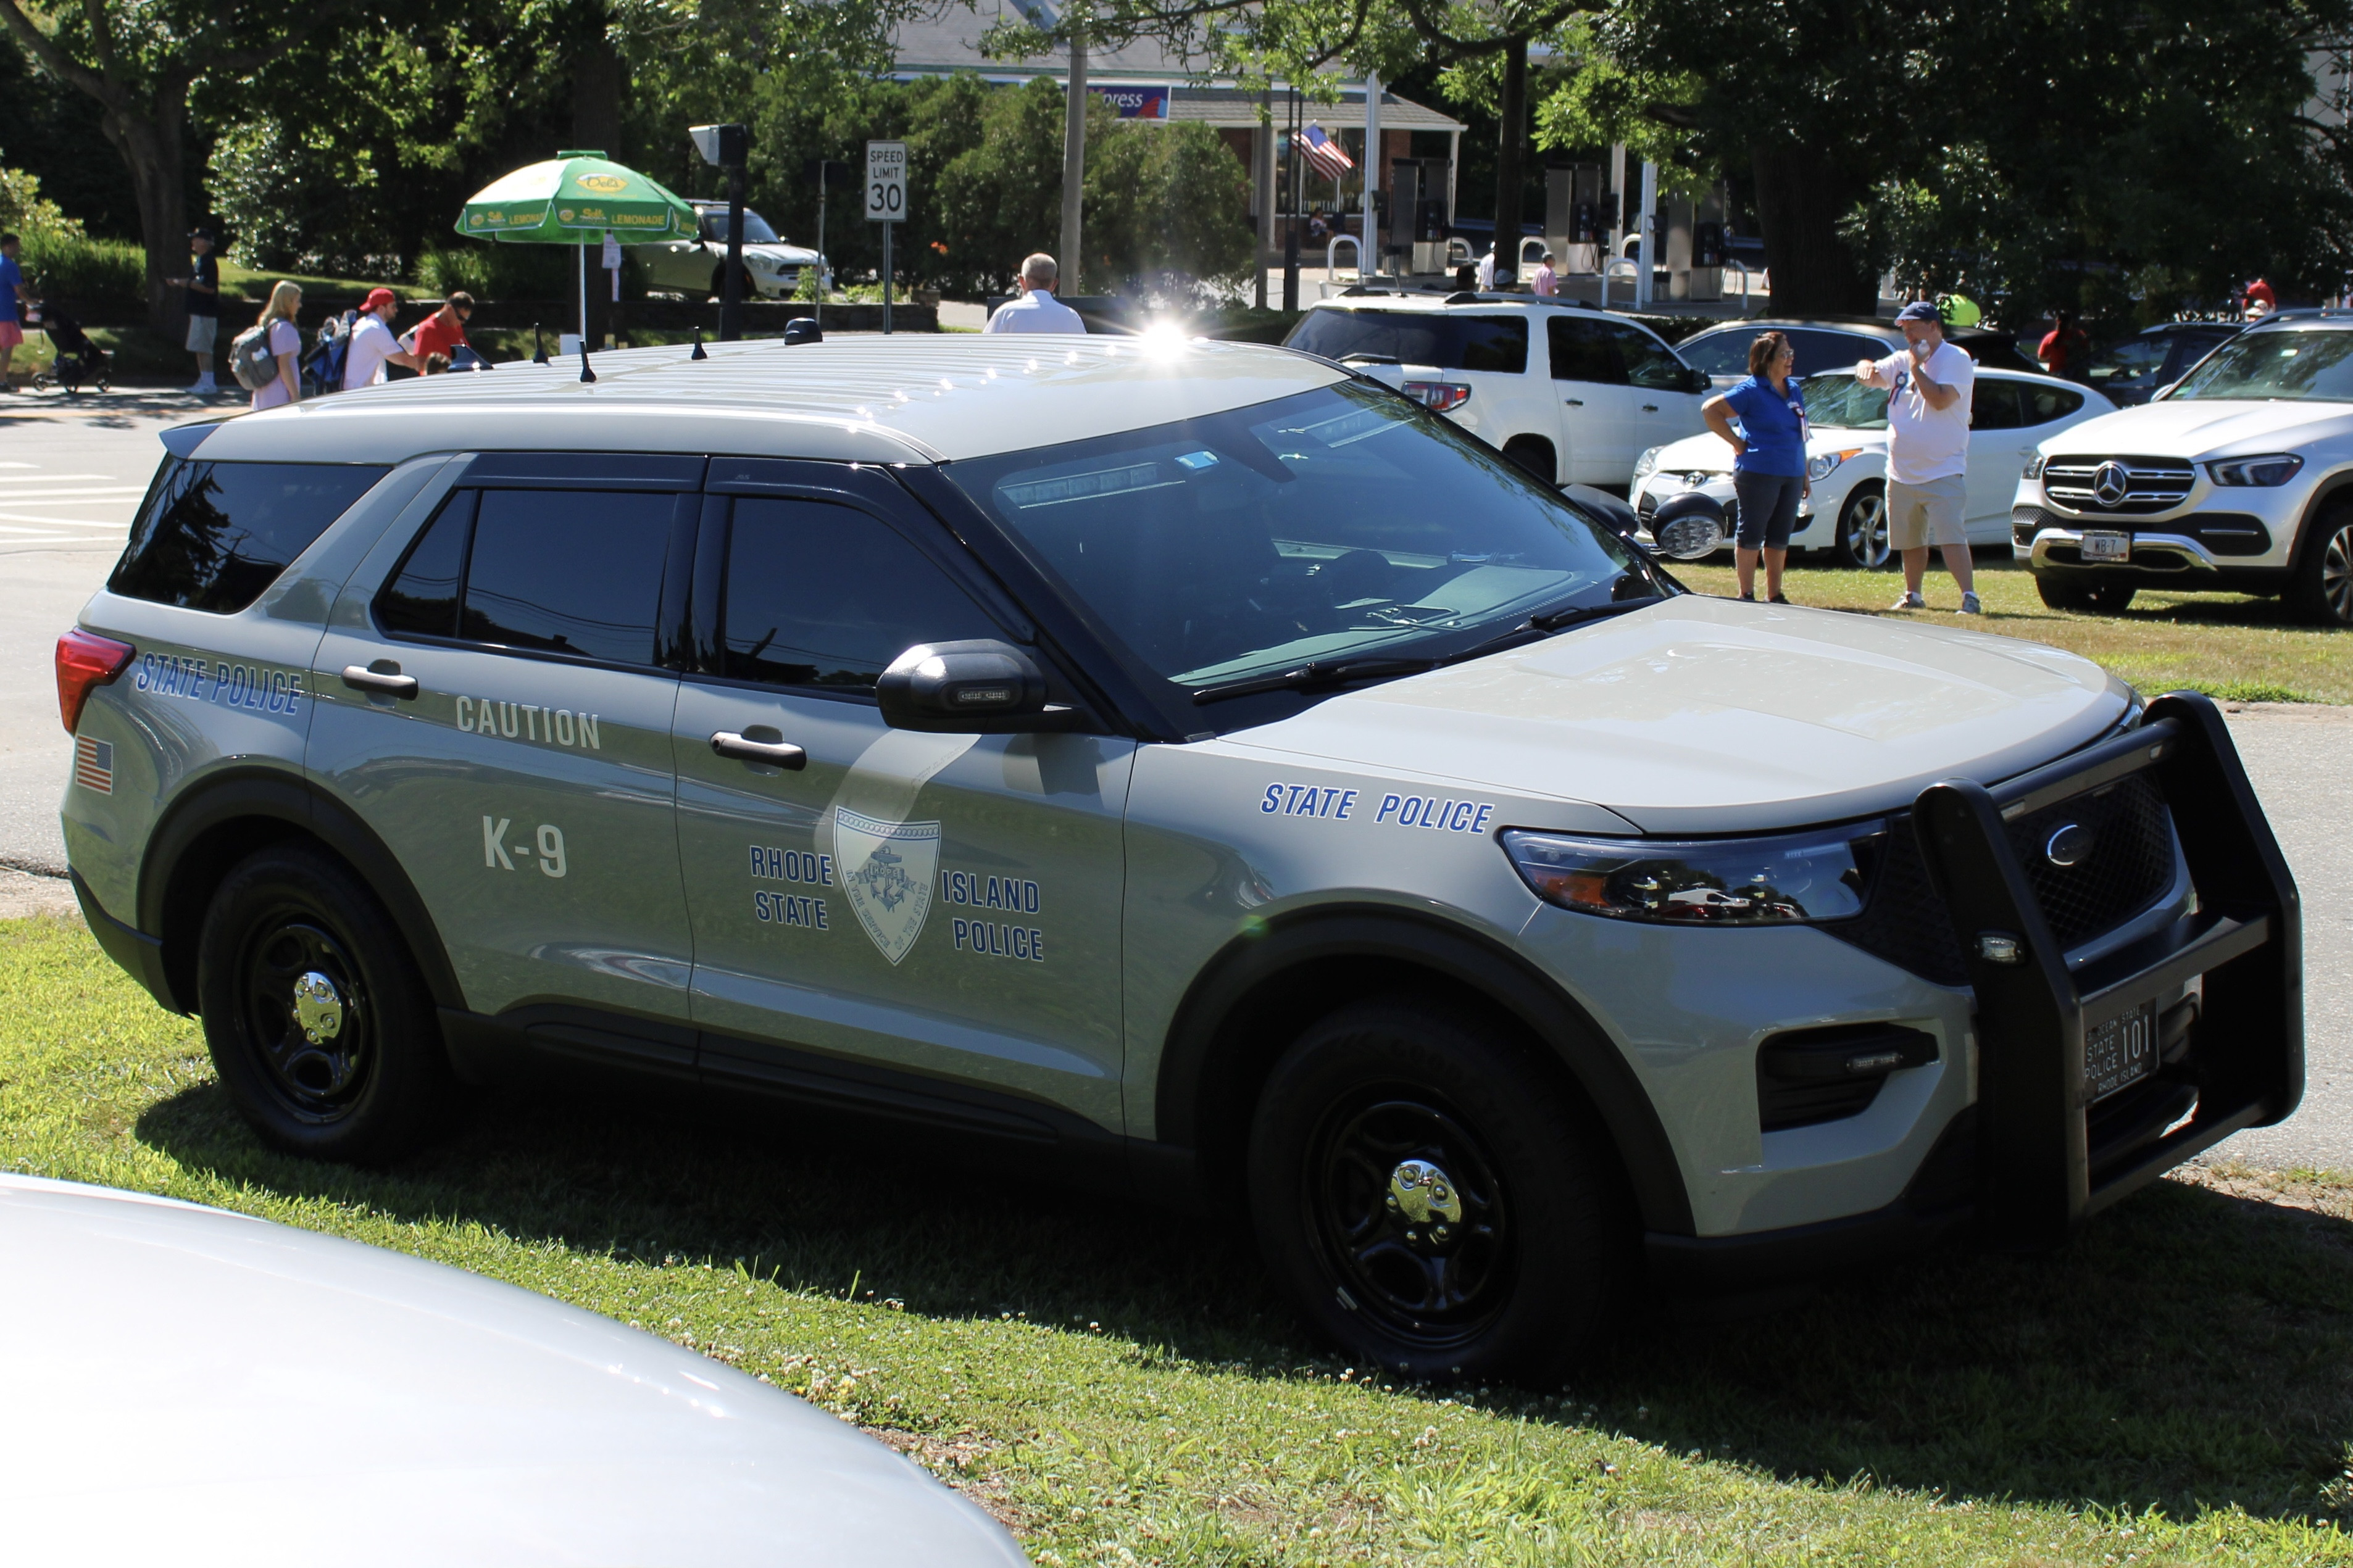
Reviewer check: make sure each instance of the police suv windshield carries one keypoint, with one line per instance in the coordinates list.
(1333, 526)
(2303, 366)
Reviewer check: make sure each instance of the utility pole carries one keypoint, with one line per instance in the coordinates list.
(1074, 154)
(1369, 257)
(1291, 216)
(1649, 232)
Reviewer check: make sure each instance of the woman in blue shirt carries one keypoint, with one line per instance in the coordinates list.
(1768, 463)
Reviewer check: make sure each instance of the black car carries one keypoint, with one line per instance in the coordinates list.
(1832, 342)
(2131, 372)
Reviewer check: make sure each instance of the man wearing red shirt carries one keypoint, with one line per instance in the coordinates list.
(444, 332)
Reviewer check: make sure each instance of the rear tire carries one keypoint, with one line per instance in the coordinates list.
(318, 1022)
(2084, 598)
(1435, 1199)
(2323, 589)
(1861, 544)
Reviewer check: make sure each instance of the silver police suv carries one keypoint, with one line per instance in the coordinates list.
(1191, 757)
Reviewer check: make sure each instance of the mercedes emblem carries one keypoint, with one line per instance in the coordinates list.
(2111, 484)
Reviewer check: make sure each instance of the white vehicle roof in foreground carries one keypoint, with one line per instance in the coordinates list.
(917, 397)
(194, 1386)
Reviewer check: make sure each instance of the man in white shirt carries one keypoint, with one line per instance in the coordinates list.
(372, 345)
(1487, 271)
(1037, 310)
(1927, 451)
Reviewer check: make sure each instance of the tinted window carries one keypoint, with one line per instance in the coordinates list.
(755, 228)
(826, 596)
(2128, 360)
(1581, 351)
(1819, 350)
(1718, 354)
(1648, 363)
(1449, 342)
(211, 536)
(2045, 403)
(576, 571)
(422, 598)
(1993, 406)
(2188, 348)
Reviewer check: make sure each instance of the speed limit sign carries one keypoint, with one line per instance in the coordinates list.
(886, 182)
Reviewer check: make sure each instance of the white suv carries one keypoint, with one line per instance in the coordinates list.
(2239, 477)
(1571, 394)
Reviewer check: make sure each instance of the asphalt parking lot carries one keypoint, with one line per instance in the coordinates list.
(70, 480)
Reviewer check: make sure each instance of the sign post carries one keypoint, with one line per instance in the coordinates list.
(886, 202)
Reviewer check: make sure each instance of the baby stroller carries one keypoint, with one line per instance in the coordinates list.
(322, 368)
(76, 359)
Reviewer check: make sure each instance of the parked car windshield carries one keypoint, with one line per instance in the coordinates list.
(755, 228)
(2310, 366)
(1842, 403)
(1329, 526)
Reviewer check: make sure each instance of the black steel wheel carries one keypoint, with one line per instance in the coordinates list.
(1433, 1194)
(2323, 592)
(317, 1022)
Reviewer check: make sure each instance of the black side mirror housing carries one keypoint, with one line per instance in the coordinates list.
(804, 330)
(980, 687)
(1699, 380)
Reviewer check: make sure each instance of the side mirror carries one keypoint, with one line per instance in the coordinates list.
(974, 687)
(804, 330)
(1699, 380)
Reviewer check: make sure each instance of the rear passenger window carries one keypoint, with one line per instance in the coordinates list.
(1993, 406)
(2045, 403)
(213, 536)
(576, 572)
(1445, 340)
(826, 595)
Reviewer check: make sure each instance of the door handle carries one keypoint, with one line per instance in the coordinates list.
(382, 678)
(1574, 401)
(728, 743)
(1649, 408)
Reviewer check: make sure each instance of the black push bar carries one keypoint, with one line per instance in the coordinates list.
(2047, 1158)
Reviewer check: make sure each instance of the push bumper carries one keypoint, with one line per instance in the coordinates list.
(2041, 1151)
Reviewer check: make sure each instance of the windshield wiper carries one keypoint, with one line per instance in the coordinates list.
(1313, 674)
(1561, 620)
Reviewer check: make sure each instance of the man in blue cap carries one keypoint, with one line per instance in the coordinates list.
(1927, 451)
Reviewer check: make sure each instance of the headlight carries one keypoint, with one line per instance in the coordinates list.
(760, 263)
(1823, 464)
(2034, 467)
(2272, 468)
(1646, 464)
(1789, 879)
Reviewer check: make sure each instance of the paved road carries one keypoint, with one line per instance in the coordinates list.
(69, 482)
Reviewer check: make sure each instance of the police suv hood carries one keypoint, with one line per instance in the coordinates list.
(2205, 427)
(197, 1387)
(1703, 715)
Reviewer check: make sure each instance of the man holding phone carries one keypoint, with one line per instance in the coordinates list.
(1927, 451)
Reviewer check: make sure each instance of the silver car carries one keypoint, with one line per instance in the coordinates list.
(1191, 756)
(697, 267)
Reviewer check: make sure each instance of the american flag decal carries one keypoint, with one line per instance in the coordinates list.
(94, 764)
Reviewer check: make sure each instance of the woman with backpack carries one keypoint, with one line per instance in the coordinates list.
(263, 357)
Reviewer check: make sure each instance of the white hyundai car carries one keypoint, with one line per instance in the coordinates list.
(1846, 517)
(2239, 478)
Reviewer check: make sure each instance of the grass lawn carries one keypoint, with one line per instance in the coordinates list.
(2231, 645)
(1118, 1384)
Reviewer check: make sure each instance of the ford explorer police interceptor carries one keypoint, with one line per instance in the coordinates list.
(1190, 755)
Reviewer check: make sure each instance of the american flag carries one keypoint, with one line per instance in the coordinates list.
(94, 764)
(1324, 153)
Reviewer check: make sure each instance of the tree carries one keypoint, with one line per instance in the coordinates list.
(140, 64)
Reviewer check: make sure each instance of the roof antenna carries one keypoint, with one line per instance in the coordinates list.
(698, 352)
(586, 373)
(538, 348)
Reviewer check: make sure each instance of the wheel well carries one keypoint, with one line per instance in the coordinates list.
(2338, 494)
(1535, 446)
(195, 872)
(1267, 989)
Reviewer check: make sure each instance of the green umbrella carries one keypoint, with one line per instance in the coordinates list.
(576, 198)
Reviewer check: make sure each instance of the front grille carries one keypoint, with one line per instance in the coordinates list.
(2223, 532)
(2129, 865)
(2135, 486)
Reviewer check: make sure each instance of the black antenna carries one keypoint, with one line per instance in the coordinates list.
(586, 373)
(538, 349)
(698, 352)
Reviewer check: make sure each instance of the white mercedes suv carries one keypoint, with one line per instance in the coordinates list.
(2239, 477)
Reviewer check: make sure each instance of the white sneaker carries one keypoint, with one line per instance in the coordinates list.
(1970, 606)
(1910, 600)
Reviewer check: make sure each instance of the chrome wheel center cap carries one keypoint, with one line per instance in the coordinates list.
(1421, 1192)
(318, 1007)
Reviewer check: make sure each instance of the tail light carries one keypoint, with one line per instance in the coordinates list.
(1438, 396)
(86, 661)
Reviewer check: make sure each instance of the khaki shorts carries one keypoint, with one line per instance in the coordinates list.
(201, 332)
(1930, 513)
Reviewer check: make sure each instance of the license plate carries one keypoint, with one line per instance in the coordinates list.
(2119, 1053)
(2107, 547)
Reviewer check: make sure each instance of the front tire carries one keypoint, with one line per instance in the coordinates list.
(1861, 543)
(2323, 590)
(1435, 1199)
(317, 1020)
(2086, 599)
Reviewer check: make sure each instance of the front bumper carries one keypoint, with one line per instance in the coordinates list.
(2036, 1155)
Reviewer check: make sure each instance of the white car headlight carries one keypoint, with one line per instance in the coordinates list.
(1646, 464)
(2271, 468)
(1788, 879)
(1823, 464)
(758, 262)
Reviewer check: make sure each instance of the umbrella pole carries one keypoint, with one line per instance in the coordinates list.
(584, 298)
